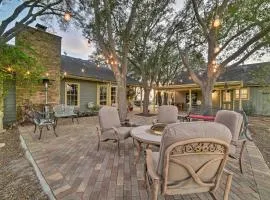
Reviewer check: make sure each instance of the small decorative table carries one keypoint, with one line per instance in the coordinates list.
(144, 134)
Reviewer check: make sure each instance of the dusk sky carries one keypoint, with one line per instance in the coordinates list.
(73, 43)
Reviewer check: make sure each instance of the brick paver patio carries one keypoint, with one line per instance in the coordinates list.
(75, 170)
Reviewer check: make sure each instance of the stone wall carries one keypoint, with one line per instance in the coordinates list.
(47, 48)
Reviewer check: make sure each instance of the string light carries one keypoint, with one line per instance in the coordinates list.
(67, 16)
(217, 49)
(189, 77)
(65, 73)
(47, 74)
(216, 22)
(83, 70)
(214, 70)
(9, 69)
(28, 72)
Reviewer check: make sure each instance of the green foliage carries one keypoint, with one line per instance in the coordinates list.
(15, 64)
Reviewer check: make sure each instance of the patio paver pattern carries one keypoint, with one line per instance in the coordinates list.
(74, 169)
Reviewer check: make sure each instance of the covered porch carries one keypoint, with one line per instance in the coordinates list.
(225, 95)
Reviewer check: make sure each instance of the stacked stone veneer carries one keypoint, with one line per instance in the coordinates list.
(47, 48)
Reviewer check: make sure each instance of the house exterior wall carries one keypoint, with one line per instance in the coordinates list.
(87, 92)
(10, 105)
(260, 100)
(48, 49)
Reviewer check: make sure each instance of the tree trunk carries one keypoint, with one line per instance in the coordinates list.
(165, 98)
(207, 99)
(122, 99)
(159, 99)
(146, 100)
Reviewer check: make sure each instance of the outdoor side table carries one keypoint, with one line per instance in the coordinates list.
(143, 135)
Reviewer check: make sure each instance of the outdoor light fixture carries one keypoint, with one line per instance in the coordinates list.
(67, 16)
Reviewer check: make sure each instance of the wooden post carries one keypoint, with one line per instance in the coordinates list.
(190, 99)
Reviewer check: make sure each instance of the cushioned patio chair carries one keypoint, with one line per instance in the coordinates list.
(234, 121)
(191, 159)
(110, 127)
(167, 114)
(42, 120)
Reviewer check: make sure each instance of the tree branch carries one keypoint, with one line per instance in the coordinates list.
(255, 38)
(199, 19)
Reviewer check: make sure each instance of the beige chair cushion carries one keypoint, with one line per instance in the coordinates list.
(124, 132)
(167, 114)
(155, 157)
(190, 130)
(232, 120)
(108, 118)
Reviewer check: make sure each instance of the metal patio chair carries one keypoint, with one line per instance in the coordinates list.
(191, 159)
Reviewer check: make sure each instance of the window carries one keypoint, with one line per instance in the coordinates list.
(72, 94)
(113, 94)
(243, 92)
(226, 96)
(103, 95)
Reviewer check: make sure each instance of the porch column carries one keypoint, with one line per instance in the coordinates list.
(190, 99)
(233, 100)
(240, 100)
(220, 98)
(154, 101)
(141, 99)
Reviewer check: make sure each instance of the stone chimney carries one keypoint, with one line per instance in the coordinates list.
(47, 49)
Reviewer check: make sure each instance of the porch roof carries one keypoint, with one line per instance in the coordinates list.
(242, 73)
(73, 67)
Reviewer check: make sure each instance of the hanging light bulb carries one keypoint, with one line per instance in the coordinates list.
(189, 77)
(107, 61)
(65, 73)
(47, 74)
(9, 69)
(111, 56)
(83, 70)
(98, 65)
(217, 49)
(28, 72)
(214, 62)
(67, 16)
(214, 70)
(216, 22)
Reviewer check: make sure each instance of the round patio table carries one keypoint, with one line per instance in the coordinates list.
(142, 134)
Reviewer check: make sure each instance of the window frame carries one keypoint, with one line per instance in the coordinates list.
(224, 95)
(106, 86)
(240, 94)
(78, 95)
(113, 86)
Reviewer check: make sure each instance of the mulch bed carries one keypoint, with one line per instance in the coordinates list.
(17, 176)
(146, 115)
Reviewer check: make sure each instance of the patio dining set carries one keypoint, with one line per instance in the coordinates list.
(192, 154)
